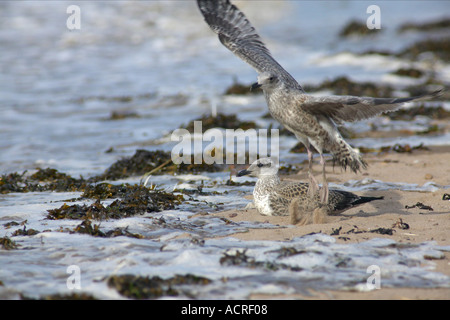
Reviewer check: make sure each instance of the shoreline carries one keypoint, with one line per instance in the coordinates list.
(394, 213)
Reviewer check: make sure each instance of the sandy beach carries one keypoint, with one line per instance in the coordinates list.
(399, 211)
(92, 103)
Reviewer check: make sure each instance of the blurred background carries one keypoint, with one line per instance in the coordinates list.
(83, 101)
(137, 70)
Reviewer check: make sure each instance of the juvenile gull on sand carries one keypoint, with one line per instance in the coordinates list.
(273, 197)
(312, 119)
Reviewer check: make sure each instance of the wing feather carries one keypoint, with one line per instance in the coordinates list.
(291, 189)
(351, 108)
(238, 35)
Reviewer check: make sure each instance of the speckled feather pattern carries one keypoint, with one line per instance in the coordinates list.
(273, 197)
(312, 119)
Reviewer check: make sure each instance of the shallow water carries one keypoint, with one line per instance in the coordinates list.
(159, 60)
(320, 264)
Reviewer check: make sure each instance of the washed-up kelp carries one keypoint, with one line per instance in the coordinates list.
(133, 200)
(138, 287)
(142, 162)
(157, 162)
(43, 180)
(221, 120)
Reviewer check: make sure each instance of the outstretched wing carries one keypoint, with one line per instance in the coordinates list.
(352, 108)
(239, 36)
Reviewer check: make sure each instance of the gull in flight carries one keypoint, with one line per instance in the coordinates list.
(313, 119)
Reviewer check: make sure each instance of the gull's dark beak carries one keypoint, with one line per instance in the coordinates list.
(243, 173)
(255, 86)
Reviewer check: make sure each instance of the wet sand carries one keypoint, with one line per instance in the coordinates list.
(356, 224)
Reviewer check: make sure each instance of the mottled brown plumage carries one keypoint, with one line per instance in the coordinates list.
(274, 197)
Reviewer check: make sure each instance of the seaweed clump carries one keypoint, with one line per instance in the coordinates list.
(357, 28)
(156, 162)
(405, 148)
(138, 287)
(221, 120)
(240, 258)
(7, 244)
(426, 26)
(59, 296)
(86, 227)
(11, 182)
(435, 113)
(42, 180)
(344, 86)
(409, 72)
(439, 47)
(241, 89)
(121, 115)
(136, 200)
(356, 230)
(141, 162)
(25, 232)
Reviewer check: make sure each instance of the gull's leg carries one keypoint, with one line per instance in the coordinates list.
(313, 184)
(324, 191)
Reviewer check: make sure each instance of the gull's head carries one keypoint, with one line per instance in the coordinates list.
(261, 168)
(266, 81)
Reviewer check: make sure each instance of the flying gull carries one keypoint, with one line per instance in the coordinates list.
(273, 197)
(313, 119)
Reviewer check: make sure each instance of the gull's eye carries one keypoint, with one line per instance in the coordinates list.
(260, 165)
(271, 79)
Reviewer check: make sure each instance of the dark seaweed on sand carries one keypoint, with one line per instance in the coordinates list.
(357, 28)
(87, 227)
(43, 180)
(132, 200)
(141, 162)
(7, 244)
(221, 120)
(435, 25)
(241, 89)
(439, 47)
(409, 72)
(139, 287)
(144, 161)
(345, 86)
(240, 258)
(433, 112)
